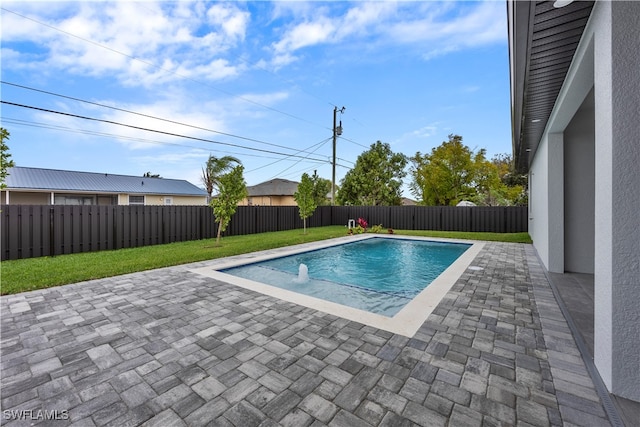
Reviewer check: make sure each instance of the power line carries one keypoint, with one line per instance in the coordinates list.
(182, 77)
(134, 58)
(353, 142)
(144, 115)
(21, 122)
(319, 145)
(148, 130)
(301, 151)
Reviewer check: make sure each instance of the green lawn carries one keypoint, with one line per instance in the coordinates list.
(37, 273)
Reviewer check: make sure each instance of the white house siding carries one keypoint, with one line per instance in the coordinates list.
(570, 190)
(579, 190)
(625, 208)
(538, 201)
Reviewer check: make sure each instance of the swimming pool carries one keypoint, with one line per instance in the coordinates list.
(378, 275)
(407, 319)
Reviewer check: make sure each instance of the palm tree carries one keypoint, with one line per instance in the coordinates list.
(214, 168)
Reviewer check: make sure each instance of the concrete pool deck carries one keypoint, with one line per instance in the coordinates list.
(173, 347)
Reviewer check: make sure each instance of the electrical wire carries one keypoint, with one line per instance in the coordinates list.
(174, 73)
(319, 146)
(148, 130)
(134, 58)
(279, 160)
(144, 115)
(27, 123)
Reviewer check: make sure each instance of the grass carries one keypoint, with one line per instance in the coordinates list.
(38, 273)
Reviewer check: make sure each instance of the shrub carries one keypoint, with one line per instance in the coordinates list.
(377, 229)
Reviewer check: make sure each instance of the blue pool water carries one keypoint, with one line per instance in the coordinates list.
(379, 275)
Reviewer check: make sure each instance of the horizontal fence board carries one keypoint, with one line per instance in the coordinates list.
(42, 230)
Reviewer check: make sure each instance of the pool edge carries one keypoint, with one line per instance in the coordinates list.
(406, 322)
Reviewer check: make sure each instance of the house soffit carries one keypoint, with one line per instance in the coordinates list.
(550, 37)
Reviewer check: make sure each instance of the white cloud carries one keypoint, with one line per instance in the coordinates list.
(132, 41)
(418, 134)
(232, 20)
(434, 28)
(476, 24)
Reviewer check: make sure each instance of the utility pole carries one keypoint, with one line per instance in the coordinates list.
(337, 131)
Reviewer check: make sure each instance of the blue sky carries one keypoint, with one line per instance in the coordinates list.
(262, 78)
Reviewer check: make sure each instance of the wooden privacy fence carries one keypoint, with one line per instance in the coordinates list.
(30, 231)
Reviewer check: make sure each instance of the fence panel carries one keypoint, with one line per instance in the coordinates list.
(244, 221)
(516, 219)
(266, 218)
(378, 215)
(34, 230)
(401, 217)
(428, 218)
(321, 217)
(289, 218)
(488, 219)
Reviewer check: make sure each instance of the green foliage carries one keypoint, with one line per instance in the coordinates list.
(214, 168)
(151, 175)
(452, 172)
(376, 179)
(321, 187)
(516, 183)
(232, 189)
(5, 162)
(304, 198)
(444, 177)
(377, 229)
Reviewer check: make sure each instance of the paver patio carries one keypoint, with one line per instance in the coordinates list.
(169, 347)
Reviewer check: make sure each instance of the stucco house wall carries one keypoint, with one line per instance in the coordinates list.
(584, 181)
(275, 192)
(269, 201)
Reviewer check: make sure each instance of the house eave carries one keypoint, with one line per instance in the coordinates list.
(542, 42)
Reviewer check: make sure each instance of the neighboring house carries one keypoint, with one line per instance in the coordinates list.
(276, 192)
(34, 186)
(575, 90)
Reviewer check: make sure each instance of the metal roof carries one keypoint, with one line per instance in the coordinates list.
(274, 187)
(24, 178)
(542, 42)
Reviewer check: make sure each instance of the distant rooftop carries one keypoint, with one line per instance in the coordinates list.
(274, 187)
(25, 178)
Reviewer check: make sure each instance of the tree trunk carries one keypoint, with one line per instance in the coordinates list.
(219, 233)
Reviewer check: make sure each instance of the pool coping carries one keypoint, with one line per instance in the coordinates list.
(406, 322)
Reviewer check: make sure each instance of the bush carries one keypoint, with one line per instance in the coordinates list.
(378, 229)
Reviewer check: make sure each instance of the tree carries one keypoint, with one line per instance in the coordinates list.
(232, 189)
(452, 172)
(321, 187)
(214, 168)
(517, 184)
(151, 175)
(444, 177)
(376, 179)
(5, 163)
(305, 200)
(489, 189)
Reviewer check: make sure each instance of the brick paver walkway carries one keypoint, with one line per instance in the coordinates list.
(170, 348)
